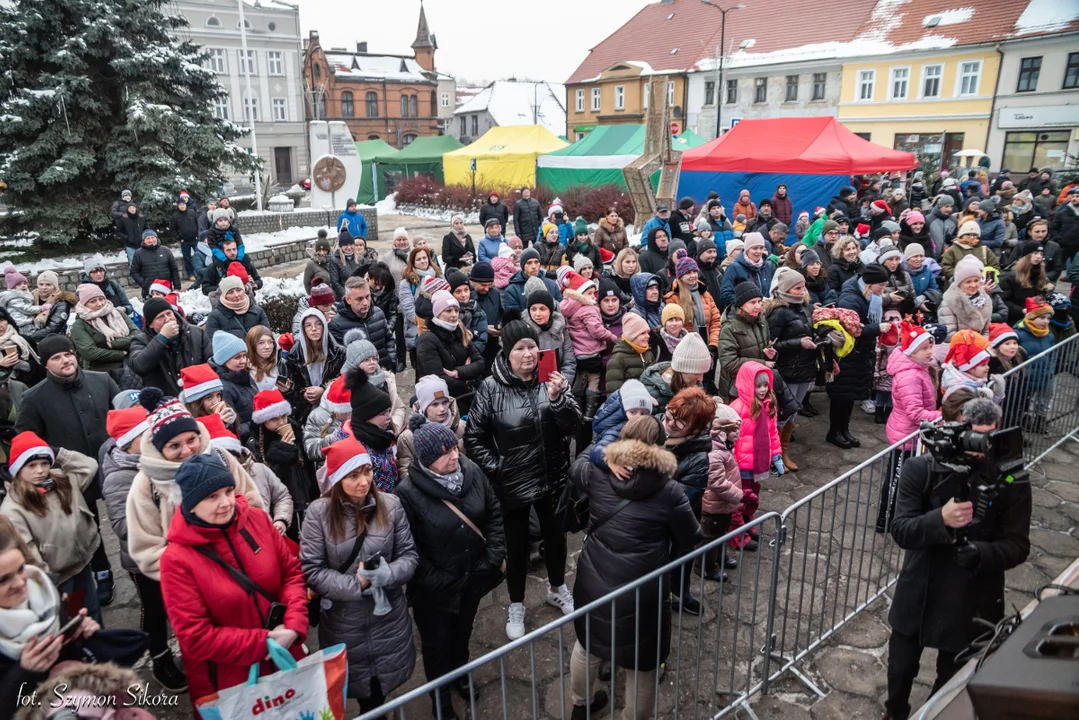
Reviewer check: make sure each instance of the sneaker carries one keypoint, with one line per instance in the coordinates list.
(687, 603)
(465, 691)
(562, 599)
(515, 624)
(599, 701)
(731, 563)
(869, 407)
(105, 587)
(167, 675)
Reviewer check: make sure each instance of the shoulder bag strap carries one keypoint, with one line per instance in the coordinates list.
(356, 546)
(242, 580)
(457, 511)
(617, 509)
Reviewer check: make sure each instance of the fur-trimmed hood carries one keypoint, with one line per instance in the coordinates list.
(98, 680)
(611, 228)
(637, 455)
(569, 294)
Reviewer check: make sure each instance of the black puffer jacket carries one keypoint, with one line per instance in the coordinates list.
(374, 327)
(159, 363)
(63, 304)
(498, 211)
(130, 228)
(454, 249)
(840, 271)
(788, 324)
(225, 320)
(657, 526)
(287, 462)
(527, 219)
(519, 438)
(439, 350)
(591, 251)
(692, 472)
(239, 392)
(296, 372)
(855, 378)
(153, 263)
(216, 271)
(454, 560)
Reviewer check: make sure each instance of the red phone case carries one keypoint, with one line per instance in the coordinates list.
(548, 364)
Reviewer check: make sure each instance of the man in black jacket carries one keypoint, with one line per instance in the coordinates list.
(185, 226)
(527, 217)
(682, 223)
(68, 409)
(1065, 226)
(206, 216)
(213, 274)
(166, 345)
(495, 208)
(953, 570)
(153, 262)
(119, 207)
(355, 310)
(489, 299)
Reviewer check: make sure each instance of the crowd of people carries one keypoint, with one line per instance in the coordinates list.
(261, 483)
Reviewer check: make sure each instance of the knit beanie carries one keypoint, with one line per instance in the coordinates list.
(357, 349)
(222, 213)
(93, 263)
(634, 396)
(945, 201)
(968, 267)
(1027, 248)
(269, 404)
(608, 288)
(432, 441)
(633, 325)
(152, 308)
(891, 226)
(581, 261)
(888, 250)
(231, 282)
(515, 243)
(482, 272)
(430, 388)
(367, 400)
(528, 254)
(87, 292)
(828, 226)
(874, 273)
(149, 234)
(744, 292)
(441, 302)
(515, 331)
(199, 477)
(321, 293)
(684, 266)
(13, 278)
(168, 417)
(456, 279)
(727, 415)
(580, 226)
(237, 270)
(970, 227)
(915, 216)
(541, 297)
(53, 345)
(125, 399)
(49, 276)
(1036, 307)
(786, 278)
(753, 239)
(345, 238)
(809, 257)
(322, 244)
(672, 310)
(732, 246)
(691, 356)
(987, 205)
(913, 250)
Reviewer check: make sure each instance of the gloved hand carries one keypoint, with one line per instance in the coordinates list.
(967, 556)
(379, 577)
(750, 498)
(996, 383)
(777, 461)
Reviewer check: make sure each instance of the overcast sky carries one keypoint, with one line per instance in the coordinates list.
(478, 40)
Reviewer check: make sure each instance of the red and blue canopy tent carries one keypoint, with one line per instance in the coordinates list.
(813, 156)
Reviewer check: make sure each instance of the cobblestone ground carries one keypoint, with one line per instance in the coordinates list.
(832, 562)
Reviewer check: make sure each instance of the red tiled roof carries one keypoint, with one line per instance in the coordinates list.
(899, 22)
(649, 37)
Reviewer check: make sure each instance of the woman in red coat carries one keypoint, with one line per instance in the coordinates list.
(221, 628)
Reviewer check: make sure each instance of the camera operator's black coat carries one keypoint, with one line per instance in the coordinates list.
(935, 599)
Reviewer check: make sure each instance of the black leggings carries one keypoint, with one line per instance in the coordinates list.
(375, 700)
(904, 658)
(517, 546)
(154, 620)
(839, 413)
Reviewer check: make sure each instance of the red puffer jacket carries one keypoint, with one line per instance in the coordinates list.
(218, 625)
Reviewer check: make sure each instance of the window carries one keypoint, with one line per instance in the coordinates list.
(969, 75)
(212, 22)
(407, 139)
(373, 136)
(414, 106)
(709, 93)
(760, 90)
(792, 88)
(619, 97)
(404, 106)
(900, 83)
(371, 101)
(476, 125)
(580, 101)
(218, 60)
(931, 75)
(596, 97)
(251, 66)
(1036, 149)
(670, 94)
(1029, 68)
(1071, 73)
(221, 107)
(464, 126)
(271, 27)
(318, 72)
(348, 107)
(820, 85)
(445, 100)
(247, 24)
(644, 94)
(732, 92)
(280, 110)
(251, 107)
(276, 60)
(320, 107)
(434, 103)
(866, 80)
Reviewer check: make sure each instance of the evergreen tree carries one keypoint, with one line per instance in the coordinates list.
(101, 95)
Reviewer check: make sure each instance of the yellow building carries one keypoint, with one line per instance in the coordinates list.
(933, 104)
(615, 97)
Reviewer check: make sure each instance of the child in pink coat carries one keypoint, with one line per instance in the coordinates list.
(723, 495)
(505, 265)
(590, 337)
(757, 448)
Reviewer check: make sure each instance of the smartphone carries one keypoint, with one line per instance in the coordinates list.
(276, 615)
(72, 627)
(76, 601)
(373, 562)
(283, 384)
(548, 363)
(11, 350)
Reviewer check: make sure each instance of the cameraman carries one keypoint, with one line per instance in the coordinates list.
(944, 586)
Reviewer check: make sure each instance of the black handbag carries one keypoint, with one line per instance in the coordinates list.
(123, 646)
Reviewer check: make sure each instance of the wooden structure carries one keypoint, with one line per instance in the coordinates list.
(658, 155)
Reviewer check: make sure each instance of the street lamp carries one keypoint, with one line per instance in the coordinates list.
(722, 50)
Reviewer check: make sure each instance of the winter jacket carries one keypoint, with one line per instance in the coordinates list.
(527, 219)
(656, 379)
(922, 279)
(130, 228)
(611, 237)
(342, 266)
(591, 252)
(406, 302)
(185, 225)
(956, 312)
(375, 328)
(498, 211)
(651, 312)
(739, 342)
(1041, 372)
(552, 256)
(218, 624)
(354, 222)
(21, 307)
(709, 332)
(489, 247)
(118, 471)
(453, 561)
(159, 361)
(287, 462)
(724, 492)
(113, 292)
(653, 223)
(1015, 296)
(63, 305)
(626, 363)
(60, 543)
(153, 263)
(513, 298)
(491, 306)
(942, 230)
(934, 598)
(586, 330)
(439, 350)
(657, 526)
(454, 250)
(317, 267)
(519, 438)
(899, 282)
(837, 203)
(741, 271)
(221, 318)
(692, 471)
(1065, 229)
(504, 268)
(319, 431)
(94, 352)
(819, 289)
(215, 271)
(69, 413)
(992, 232)
(607, 424)
(556, 337)
(474, 320)
(239, 392)
(297, 373)
(855, 378)
(744, 446)
(840, 271)
(783, 209)
(787, 325)
(378, 647)
(748, 209)
(275, 496)
(914, 397)
(958, 251)
(119, 208)
(652, 259)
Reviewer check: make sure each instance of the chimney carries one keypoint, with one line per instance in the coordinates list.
(361, 47)
(314, 37)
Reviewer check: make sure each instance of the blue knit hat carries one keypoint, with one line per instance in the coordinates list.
(226, 346)
(199, 476)
(149, 233)
(432, 441)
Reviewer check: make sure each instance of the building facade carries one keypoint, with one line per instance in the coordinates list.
(510, 102)
(395, 98)
(273, 101)
(617, 96)
(1036, 119)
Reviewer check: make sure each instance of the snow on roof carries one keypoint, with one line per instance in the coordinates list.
(1042, 16)
(387, 67)
(948, 17)
(510, 103)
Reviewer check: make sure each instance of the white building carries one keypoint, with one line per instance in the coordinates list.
(510, 102)
(274, 100)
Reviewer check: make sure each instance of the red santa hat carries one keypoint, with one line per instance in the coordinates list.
(270, 404)
(285, 341)
(343, 457)
(861, 230)
(124, 426)
(162, 286)
(173, 299)
(220, 436)
(198, 381)
(1000, 333)
(27, 446)
(818, 211)
(578, 283)
(237, 270)
(968, 350)
(914, 336)
(338, 398)
(879, 206)
(605, 256)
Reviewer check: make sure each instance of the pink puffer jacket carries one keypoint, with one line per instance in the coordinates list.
(586, 329)
(724, 492)
(743, 447)
(505, 268)
(914, 399)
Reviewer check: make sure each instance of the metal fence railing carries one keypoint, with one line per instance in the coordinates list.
(820, 563)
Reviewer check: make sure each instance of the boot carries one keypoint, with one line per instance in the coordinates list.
(784, 442)
(880, 416)
(105, 586)
(592, 400)
(167, 675)
(807, 409)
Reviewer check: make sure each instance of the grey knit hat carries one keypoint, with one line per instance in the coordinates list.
(357, 349)
(691, 356)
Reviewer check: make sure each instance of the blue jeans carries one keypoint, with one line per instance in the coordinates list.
(198, 261)
(130, 253)
(84, 580)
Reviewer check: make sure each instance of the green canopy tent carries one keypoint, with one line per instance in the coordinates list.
(422, 156)
(373, 153)
(598, 158)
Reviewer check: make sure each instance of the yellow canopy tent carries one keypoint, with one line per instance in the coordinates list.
(505, 157)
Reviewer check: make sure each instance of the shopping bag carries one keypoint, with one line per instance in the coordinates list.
(310, 689)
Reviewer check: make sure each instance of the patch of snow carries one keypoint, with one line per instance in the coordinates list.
(23, 242)
(439, 214)
(387, 206)
(246, 213)
(274, 287)
(511, 103)
(280, 199)
(1047, 16)
(950, 17)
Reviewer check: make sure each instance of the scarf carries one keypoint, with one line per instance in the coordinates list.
(876, 304)
(371, 436)
(377, 378)
(698, 307)
(36, 616)
(239, 307)
(401, 254)
(639, 349)
(428, 273)
(952, 378)
(107, 320)
(582, 246)
(757, 265)
(762, 444)
(447, 326)
(11, 336)
(461, 235)
(978, 299)
(453, 481)
(670, 340)
(1034, 329)
(791, 299)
